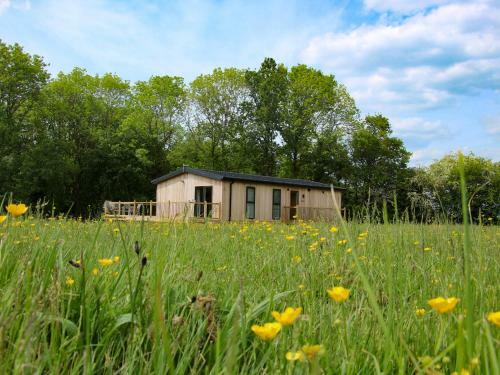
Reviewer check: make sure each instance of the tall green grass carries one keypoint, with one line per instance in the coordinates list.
(138, 315)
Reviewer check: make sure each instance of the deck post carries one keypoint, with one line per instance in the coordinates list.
(119, 207)
(134, 211)
(151, 208)
(205, 209)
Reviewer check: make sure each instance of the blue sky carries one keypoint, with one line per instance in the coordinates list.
(431, 66)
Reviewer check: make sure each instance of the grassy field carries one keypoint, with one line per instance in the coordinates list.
(185, 297)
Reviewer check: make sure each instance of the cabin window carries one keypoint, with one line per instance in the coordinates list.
(276, 204)
(202, 194)
(250, 207)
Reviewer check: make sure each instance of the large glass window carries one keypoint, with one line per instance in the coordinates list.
(250, 206)
(276, 204)
(202, 194)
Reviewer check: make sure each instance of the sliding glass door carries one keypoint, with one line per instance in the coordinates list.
(202, 194)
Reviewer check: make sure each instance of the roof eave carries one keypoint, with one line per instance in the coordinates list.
(216, 176)
(182, 170)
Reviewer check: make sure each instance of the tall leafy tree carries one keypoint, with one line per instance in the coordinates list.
(298, 128)
(379, 163)
(22, 77)
(158, 111)
(265, 111)
(76, 119)
(316, 107)
(217, 110)
(329, 160)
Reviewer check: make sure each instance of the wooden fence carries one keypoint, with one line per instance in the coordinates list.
(150, 210)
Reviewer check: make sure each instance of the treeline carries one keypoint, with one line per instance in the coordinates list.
(76, 139)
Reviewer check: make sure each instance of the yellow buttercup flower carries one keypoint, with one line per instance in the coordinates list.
(296, 259)
(494, 317)
(295, 356)
(290, 238)
(16, 209)
(443, 305)
(342, 242)
(288, 317)
(312, 351)
(427, 248)
(420, 312)
(334, 229)
(105, 262)
(95, 271)
(69, 281)
(338, 293)
(2, 218)
(268, 331)
(116, 259)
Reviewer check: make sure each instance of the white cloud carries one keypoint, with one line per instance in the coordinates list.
(426, 155)
(418, 62)
(4, 5)
(493, 125)
(419, 129)
(23, 5)
(402, 6)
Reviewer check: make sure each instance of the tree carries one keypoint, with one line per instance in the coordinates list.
(436, 188)
(158, 110)
(217, 108)
(22, 77)
(74, 127)
(329, 159)
(298, 128)
(379, 163)
(316, 107)
(265, 114)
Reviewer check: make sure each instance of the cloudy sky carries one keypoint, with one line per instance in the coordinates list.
(431, 66)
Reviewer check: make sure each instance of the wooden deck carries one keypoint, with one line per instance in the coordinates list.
(162, 211)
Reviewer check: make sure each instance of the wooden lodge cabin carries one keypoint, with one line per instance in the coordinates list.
(191, 193)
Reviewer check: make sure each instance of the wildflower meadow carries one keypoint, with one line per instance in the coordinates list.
(104, 296)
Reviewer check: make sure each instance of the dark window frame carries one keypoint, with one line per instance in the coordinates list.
(276, 205)
(204, 190)
(249, 202)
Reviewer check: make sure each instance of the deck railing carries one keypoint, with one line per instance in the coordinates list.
(190, 210)
(150, 210)
(309, 213)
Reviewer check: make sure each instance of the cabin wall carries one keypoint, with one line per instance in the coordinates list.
(308, 197)
(172, 195)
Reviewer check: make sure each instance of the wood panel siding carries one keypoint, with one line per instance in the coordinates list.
(181, 189)
(310, 198)
(314, 203)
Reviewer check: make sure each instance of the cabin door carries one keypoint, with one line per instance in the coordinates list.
(202, 194)
(294, 202)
